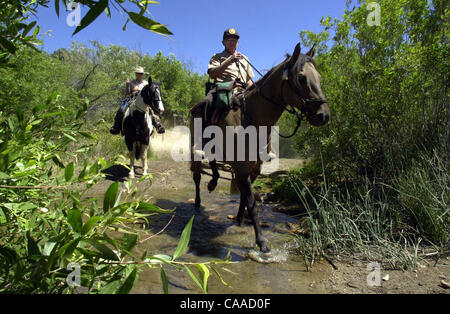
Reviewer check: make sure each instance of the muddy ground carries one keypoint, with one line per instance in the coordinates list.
(214, 234)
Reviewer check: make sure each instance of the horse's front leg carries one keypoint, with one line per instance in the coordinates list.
(253, 210)
(144, 159)
(215, 176)
(242, 205)
(132, 158)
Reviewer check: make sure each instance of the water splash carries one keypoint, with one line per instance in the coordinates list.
(161, 145)
(274, 256)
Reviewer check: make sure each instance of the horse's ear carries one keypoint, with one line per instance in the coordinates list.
(295, 55)
(150, 80)
(312, 51)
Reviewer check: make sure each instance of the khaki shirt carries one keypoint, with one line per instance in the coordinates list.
(134, 83)
(239, 69)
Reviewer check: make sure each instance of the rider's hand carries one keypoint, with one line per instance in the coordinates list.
(236, 56)
(128, 81)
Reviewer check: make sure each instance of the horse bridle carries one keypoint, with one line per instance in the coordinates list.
(153, 87)
(298, 92)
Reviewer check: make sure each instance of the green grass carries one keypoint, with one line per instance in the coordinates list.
(393, 224)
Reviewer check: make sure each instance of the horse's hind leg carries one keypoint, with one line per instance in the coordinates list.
(132, 158)
(196, 172)
(253, 210)
(144, 159)
(240, 215)
(215, 176)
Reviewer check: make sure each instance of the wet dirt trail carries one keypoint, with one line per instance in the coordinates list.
(214, 234)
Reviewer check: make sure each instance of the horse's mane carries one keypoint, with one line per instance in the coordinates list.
(302, 59)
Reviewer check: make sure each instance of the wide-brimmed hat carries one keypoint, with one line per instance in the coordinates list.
(140, 70)
(231, 32)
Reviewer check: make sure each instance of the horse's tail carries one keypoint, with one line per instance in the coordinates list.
(138, 151)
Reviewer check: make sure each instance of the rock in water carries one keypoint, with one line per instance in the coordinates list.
(274, 256)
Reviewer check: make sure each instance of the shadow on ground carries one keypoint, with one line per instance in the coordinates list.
(206, 229)
(120, 172)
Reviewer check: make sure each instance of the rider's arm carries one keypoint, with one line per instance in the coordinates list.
(216, 69)
(128, 87)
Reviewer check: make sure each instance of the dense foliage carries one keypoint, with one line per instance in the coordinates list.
(388, 138)
(18, 27)
(55, 109)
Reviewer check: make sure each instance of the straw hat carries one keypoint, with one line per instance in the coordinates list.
(140, 70)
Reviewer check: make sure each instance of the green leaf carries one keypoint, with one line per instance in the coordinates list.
(194, 278)
(142, 206)
(128, 283)
(158, 258)
(184, 239)
(57, 160)
(48, 248)
(52, 98)
(110, 288)
(28, 28)
(27, 206)
(2, 216)
(110, 196)
(74, 219)
(165, 283)
(106, 252)
(57, 7)
(68, 248)
(32, 246)
(9, 255)
(20, 114)
(89, 224)
(149, 24)
(220, 277)
(204, 272)
(87, 134)
(6, 44)
(68, 172)
(70, 137)
(93, 13)
(129, 242)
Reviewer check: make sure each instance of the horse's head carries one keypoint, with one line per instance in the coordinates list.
(304, 80)
(151, 94)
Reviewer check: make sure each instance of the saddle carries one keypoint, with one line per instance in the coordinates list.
(132, 107)
(221, 98)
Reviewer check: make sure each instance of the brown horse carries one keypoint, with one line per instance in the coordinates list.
(294, 82)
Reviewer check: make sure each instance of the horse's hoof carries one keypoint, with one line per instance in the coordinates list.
(131, 176)
(144, 173)
(263, 247)
(212, 185)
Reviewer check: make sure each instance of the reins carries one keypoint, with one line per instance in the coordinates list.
(291, 110)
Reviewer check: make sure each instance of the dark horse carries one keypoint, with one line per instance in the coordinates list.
(294, 82)
(137, 123)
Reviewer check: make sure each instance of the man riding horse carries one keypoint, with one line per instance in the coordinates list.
(228, 66)
(132, 89)
(293, 86)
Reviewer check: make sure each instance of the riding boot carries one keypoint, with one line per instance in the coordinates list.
(117, 127)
